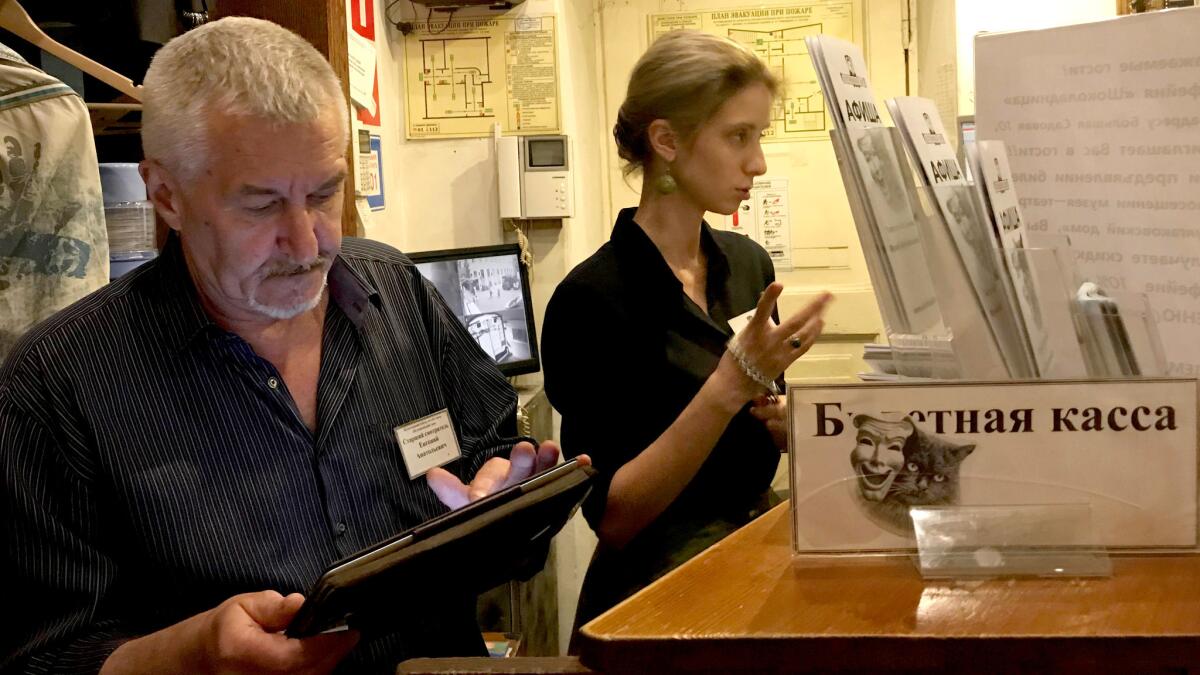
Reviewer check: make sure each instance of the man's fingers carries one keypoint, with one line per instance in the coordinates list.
(766, 303)
(493, 475)
(497, 473)
(794, 323)
(321, 653)
(523, 461)
(547, 456)
(448, 488)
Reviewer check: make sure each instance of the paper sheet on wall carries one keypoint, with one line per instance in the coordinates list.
(362, 57)
(461, 77)
(764, 218)
(777, 35)
(1103, 137)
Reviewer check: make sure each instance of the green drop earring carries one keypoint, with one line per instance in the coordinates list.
(665, 184)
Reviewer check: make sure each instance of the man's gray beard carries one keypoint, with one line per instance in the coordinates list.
(290, 311)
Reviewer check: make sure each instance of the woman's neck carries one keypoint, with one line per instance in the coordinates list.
(673, 223)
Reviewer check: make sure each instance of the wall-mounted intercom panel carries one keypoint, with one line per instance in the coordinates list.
(535, 177)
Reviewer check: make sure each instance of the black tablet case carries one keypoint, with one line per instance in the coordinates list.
(464, 552)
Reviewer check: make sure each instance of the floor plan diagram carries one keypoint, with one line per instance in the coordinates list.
(464, 76)
(776, 34)
(802, 108)
(456, 75)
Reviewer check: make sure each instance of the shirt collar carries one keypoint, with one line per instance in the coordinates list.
(351, 292)
(184, 319)
(645, 262)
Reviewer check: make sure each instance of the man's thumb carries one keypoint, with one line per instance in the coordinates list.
(271, 610)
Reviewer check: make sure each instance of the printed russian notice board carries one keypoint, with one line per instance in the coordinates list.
(863, 455)
(462, 77)
(776, 34)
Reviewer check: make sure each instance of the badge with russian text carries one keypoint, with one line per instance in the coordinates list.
(863, 455)
(427, 442)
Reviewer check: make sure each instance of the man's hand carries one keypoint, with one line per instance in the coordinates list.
(773, 413)
(496, 474)
(241, 635)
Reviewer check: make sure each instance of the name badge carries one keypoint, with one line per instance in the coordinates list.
(737, 323)
(427, 442)
(740, 321)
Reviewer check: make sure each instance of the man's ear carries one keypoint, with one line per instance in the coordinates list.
(163, 191)
(663, 140)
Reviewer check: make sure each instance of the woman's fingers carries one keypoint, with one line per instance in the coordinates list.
(808, 335)
(766, 303)
(769, 348)
(814, 309)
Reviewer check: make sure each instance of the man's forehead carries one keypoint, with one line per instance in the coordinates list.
(270, 187)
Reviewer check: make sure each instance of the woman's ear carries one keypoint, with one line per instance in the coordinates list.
(663, 140)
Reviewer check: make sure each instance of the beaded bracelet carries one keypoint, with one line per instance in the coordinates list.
(748, 368)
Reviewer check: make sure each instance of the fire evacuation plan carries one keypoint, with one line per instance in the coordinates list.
(456, 72)
(784, 51)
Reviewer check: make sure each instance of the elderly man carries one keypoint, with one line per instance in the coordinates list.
(184, 450)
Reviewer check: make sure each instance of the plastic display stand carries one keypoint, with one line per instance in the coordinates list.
(1037, 540)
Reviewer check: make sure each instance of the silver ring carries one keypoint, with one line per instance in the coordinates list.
(795, 341)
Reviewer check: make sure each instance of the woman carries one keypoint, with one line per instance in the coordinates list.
(635, 339)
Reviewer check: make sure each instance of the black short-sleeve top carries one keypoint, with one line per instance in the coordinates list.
(624, 350)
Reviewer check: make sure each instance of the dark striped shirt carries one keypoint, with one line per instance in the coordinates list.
(153, 465)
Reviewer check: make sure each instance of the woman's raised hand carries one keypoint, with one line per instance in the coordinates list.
(763, 350)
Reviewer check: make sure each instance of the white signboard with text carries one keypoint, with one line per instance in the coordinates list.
(862, 455)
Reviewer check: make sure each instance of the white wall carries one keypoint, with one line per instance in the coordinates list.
(937, 56)
(975, 16)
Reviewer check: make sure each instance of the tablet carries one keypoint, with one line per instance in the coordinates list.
(467, 551)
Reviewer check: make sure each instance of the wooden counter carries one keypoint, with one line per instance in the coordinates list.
(746, 605)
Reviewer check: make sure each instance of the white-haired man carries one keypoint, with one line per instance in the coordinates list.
(184, 450)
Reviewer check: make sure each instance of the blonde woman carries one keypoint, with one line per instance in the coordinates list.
(638, 351)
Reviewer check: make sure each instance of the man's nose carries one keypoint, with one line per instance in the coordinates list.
(298, 234)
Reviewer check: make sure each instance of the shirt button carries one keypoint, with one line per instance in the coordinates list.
(272, 382)
(341, 528)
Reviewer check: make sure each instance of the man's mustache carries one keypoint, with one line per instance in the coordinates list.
(290, 268)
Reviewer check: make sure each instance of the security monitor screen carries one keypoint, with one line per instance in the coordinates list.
(486, 295)
(546, 153)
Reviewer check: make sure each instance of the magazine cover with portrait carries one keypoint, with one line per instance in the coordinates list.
(863, 455)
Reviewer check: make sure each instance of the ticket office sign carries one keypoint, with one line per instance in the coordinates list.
(863, 455)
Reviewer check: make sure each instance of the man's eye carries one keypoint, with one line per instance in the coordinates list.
(262, 207)
(322, 197)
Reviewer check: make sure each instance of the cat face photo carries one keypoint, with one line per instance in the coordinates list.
(898, 465)
(930, 473)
